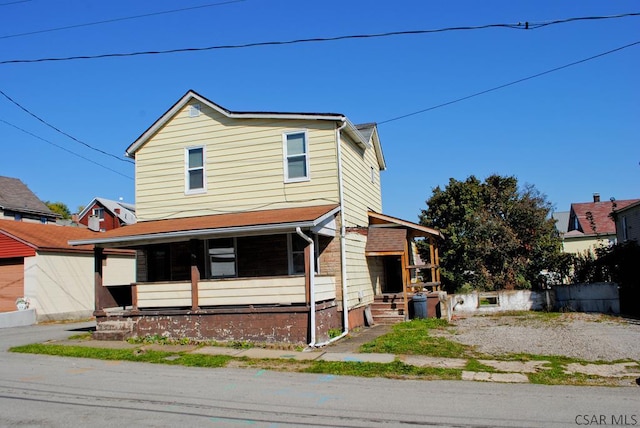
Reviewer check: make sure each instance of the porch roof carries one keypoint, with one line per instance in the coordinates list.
(386, 241)
(181, 229)
(413, 229)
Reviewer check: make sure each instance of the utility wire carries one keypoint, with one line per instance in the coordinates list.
(509, 84)
(65, 149)
(14, 2)
(62, 132)
(526, 26)
(109, 21)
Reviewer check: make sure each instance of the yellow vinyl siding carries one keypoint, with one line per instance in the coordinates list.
(359, 279)
(262, 291)
(244, 166)
(360, 194)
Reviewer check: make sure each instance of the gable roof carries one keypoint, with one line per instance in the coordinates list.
(127, 212)
(350, 128)
(562, 221)
(627, 207)
(47, 237)
(600, 212)
(180, 229)
(16, 196)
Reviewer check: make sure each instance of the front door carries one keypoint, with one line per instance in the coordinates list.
(392, 275)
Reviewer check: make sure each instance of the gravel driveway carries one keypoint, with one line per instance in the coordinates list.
(591, 337)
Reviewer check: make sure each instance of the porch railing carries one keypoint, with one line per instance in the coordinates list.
(234, 291)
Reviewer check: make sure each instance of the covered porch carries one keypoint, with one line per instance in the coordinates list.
(267, 276)
(392, 246)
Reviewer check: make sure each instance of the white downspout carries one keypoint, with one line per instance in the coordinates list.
(312, 284)
(343, 233)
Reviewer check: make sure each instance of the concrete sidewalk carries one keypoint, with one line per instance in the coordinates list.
(346, 350)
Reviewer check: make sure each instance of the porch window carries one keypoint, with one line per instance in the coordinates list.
(296, 253)
(222, 257)
(194, 170)
(296, 158)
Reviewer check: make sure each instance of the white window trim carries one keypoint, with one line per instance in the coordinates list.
(285, 157)
(188, 191)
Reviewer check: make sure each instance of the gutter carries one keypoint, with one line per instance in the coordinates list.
(179, 235)
(312, 285)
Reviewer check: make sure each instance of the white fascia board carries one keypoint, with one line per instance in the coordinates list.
(181, 235)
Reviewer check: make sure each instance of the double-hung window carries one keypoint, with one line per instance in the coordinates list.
(194, 170)
(222, 256)
(296, 156)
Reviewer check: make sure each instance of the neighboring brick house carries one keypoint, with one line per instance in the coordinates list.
(627, 221)
(19, 203)
(37, 262)
(254, 226)
(591, 224)
(104, 214)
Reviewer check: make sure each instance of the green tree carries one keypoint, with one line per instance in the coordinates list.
(59, 208)
(497, 235)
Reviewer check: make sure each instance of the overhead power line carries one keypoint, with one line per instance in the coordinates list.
(526, 26)
(62, 132)
(109, 21)
(14, 2)
(509, 84)
(65, 149)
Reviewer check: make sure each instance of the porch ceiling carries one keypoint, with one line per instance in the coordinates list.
(232, 224)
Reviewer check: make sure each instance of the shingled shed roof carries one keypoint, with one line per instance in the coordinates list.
(386, 240)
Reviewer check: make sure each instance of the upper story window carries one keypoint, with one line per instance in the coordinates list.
(296, 156)
(194, 170)
(99, 212)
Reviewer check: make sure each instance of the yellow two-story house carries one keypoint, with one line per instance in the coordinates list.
(256, 226)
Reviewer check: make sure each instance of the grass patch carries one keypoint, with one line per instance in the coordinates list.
(82, 336)
(413, 338)
(395, 370)
(147, 356)
(474, 365)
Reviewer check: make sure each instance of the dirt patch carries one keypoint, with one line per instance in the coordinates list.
(590, 337)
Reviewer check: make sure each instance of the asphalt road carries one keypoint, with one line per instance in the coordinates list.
(43, 391)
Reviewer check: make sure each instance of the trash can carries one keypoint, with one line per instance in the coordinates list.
(419, 306)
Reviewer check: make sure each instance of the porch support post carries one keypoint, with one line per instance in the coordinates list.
(437, 263)
(195, 275)
(98, 256)
(134, 296)
(405, 278)
(432, 256)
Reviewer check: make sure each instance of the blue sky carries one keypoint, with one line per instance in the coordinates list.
(569, 133)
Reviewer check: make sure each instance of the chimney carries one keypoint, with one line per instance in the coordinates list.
(117, 210)
(94, 223)
(596, 197)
